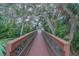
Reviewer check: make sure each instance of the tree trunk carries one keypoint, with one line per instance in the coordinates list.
(23, 18)
(73, 28)
(23, 23)
(22, 28)
(72, 22)
(50, 25)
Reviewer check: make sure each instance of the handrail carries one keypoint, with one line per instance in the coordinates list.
(64, 45)
(13, 44)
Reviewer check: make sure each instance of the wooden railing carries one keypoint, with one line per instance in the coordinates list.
(20, 46)
(57, 46)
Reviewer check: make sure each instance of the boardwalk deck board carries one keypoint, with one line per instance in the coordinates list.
(39, 47)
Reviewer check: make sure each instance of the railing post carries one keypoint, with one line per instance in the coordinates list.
(66, 50)
(8, 49)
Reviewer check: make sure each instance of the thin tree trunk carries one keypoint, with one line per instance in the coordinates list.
(23, 18)
(23, 23)
(72, 29)
(72, 22)
(22, 28)
(50, 25)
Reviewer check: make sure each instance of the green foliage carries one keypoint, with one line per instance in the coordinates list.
(2, 50)
(74, 8)
(75, 42)
(45, 26)
(7, 28)
(27, 28)
(2, 45)
(61, 29)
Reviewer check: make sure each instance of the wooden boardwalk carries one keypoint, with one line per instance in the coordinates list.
(39, 47)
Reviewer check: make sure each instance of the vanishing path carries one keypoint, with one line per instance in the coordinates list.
(39, 47)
